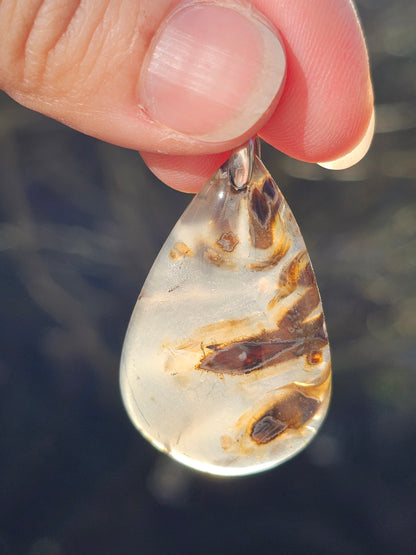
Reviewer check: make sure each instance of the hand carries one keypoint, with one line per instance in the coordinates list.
(184, 83)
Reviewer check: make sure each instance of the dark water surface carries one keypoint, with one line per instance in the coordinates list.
(81, 222)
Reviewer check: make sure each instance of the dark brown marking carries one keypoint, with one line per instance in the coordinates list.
(295, 336)
(228, 241)
(259, 205)
(306, 276)
(173, 289)
(296, 274)
(295, 271)
(243, 357)
(268, 188)
(315, 357)
(266, 429)
(294, 324)
(263, 204)
(292, 411)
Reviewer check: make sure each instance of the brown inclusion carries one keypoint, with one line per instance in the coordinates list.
(315, 357)
(293, 324)
(297, 273)
(263, 205)
(292, 411)
(294, 337)
(243, 357)
(180, 250)
(228, 241)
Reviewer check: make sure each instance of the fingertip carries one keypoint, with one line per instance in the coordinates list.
(327, 102)
(357, 153)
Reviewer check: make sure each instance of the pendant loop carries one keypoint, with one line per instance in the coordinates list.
(241, 163)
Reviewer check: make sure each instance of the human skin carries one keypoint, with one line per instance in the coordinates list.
(86, 64)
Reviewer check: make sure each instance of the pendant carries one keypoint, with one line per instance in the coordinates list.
(226, 364)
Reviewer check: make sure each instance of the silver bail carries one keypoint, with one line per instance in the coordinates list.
(241, 163)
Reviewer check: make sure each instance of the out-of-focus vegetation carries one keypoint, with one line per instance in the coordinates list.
(81, 222)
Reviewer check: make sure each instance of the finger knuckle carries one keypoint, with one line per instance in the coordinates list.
(34, 31)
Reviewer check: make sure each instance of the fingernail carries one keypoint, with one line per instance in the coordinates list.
(212, 72)
(356, 154)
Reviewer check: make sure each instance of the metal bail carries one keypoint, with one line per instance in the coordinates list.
(241, 163)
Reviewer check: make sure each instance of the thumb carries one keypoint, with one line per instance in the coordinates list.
(167, 77)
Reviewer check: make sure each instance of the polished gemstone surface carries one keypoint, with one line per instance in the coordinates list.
(226, 363)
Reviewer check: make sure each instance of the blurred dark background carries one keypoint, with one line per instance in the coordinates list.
(81, 222)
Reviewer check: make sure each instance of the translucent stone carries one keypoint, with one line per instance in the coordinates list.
(226, 363)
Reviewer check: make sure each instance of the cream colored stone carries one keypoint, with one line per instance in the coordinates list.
(226, 364)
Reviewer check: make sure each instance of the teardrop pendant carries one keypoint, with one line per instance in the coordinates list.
(226, 363)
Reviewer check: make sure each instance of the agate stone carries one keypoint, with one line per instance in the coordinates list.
(226, 363)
